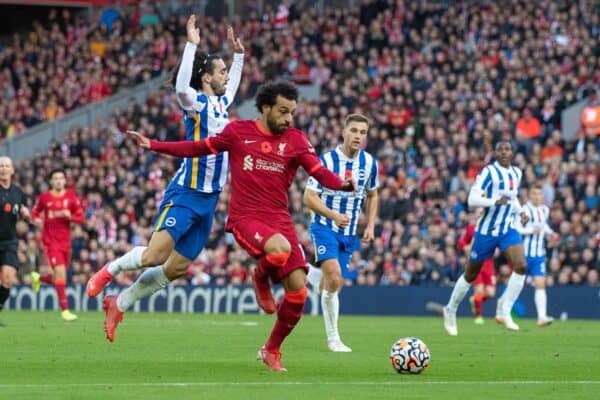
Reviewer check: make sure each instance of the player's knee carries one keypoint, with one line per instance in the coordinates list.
(278, 244)
(152, 257)
(173, 272)
(520, 267)
(333, 282)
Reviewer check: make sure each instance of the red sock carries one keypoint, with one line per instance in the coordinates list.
(60, 284)
(288, 315)
(478, 300)
(47, 278)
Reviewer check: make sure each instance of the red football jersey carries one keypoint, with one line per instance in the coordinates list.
(57, 228)
(263, 166)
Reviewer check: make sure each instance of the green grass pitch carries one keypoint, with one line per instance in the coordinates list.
(198, 356)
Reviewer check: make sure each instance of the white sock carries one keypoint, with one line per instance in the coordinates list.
(150, 281)
(540, 303)
(129, 261)
(331, 309)
(512, 292)
(458, 293)
(314, 276)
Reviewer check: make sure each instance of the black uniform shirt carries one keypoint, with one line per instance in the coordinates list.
(11, 201)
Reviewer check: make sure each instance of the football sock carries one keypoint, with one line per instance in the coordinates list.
(458, 293)
(540, 303)
(331, 308)
(47, 278)
(59, 285)
(4, 293)
(129, 261)
(314, 276)
(288, 315)
(513, 289)
(150, 281)
(478, 300)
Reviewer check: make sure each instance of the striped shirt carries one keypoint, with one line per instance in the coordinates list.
(363, 170)
(206, 116)
(538, 219)
(492, 183)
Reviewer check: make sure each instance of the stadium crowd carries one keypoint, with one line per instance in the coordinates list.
(441, 84)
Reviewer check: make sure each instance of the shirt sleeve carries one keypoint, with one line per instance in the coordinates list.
(77, 215)
(547, 229)
(235, 77)
(38, 208)
(374, 177)
(306, 155)
(189, 148)
(478, 192)
(186, 95)
(524, 230)
(466, 238)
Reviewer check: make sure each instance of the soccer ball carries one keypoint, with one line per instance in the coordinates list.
(410, 355)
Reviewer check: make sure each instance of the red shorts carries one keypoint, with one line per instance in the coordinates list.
(487, 274)
(56, 256)
(252, 235)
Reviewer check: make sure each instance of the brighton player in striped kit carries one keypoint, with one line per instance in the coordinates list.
(534, 235)
(333, 228)
(495, 189)
(205, 90)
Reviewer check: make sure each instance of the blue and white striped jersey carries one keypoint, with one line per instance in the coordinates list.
(206, 116)
(363, 169)
(538, 220)
(493, 182)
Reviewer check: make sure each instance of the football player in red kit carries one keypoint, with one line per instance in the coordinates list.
(55, 210)
(264, 155)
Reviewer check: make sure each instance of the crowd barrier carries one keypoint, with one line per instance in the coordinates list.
(565, 301)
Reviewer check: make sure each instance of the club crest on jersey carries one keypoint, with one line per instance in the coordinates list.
(281, 148)
(171, 221)
(258, 237)
(321, 249)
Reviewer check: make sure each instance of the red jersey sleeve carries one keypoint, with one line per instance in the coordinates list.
(188, 148)
(39, 207)
(308, 159)
(76, 210)
(466, 238)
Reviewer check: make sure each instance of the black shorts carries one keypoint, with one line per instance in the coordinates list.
(8, 254)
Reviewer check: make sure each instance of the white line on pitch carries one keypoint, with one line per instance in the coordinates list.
(364, 383)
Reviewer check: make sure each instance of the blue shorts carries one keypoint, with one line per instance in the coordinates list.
(188, 216)
(484, 245)
(536, 266)
(333, 245)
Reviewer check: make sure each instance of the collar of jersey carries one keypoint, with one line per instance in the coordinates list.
(261, 130)
(344, 156)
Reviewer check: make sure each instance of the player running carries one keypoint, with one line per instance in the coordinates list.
(534, 235)
(484, 286)
(264, 156)
(12, 206)
(496, 189)
(333, 228)
(204, 90)
(54, 212)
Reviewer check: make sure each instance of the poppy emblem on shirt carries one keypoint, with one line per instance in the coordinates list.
(510, 183)
(348, 174)
(7, 207)
(265, 147)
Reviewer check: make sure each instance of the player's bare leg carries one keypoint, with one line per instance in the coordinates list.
(158, 251)
(515, 255)
(458, 294)
(332, 283)
(277, 251)
(541, 301)
(60, 283)
(289, 313)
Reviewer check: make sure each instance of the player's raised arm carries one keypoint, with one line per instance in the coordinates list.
(185, 93)
(237, 65)
(186, 148)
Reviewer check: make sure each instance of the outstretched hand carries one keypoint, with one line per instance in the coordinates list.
(193, 33)
(234, 43)
(141, 140)
(348, 186)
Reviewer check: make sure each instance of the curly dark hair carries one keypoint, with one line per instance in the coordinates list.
(268, 92)
(204, 63)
